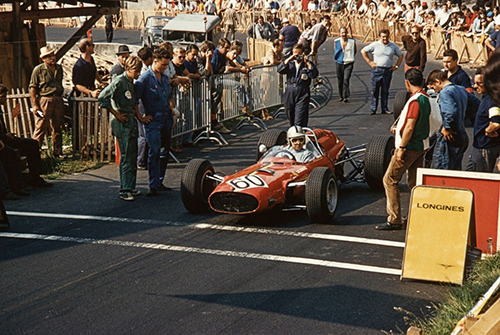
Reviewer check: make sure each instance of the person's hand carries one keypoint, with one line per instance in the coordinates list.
(121, 117)
(400, 152)
(210, 53)
(372, 64)
(491, 133)
(38, 112)
(95, 93)
(393, 130)
(447, 134)
(146, 119)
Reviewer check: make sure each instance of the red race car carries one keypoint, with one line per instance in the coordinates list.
(279, 181)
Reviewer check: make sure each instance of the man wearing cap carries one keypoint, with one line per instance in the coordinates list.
(381, 73)
(276, 23)
(46, 97)
(85, 71)
(290, 35)
(119, 67)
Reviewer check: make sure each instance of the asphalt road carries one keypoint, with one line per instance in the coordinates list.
(78, 260)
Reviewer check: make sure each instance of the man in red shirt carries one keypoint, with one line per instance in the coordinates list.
(412, 132)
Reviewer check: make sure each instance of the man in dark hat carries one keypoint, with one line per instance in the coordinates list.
(122, 55)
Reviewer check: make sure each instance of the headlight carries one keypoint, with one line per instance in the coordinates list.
(262, 148)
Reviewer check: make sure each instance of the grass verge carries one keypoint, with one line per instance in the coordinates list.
(54, 168)
(459, 300)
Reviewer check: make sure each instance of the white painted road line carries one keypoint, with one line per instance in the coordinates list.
(92, 217)
(211, 226)
(227, 253)
(303, 234)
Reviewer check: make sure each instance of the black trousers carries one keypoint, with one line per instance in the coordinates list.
(29, 148)
(12, 167)
(344, 72)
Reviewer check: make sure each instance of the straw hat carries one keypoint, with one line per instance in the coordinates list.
(46, 51)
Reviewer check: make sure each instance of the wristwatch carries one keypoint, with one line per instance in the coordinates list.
(397, 67)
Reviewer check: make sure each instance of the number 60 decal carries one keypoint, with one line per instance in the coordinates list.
(242, 183)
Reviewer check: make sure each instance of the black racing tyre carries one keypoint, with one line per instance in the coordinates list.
(400, 102)
(377, 158)
(269, 139)
(195, 186)
(321, 195)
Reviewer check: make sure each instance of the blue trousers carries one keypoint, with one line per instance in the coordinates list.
(158, 140)
(297, 105)
(380, 81)
(449, 155)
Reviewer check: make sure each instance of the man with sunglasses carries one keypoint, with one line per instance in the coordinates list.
(486, 145)
(416, 50)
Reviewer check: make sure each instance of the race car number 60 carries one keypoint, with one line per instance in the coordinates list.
(245, 182)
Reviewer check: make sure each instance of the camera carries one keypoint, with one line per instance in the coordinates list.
(299, 58)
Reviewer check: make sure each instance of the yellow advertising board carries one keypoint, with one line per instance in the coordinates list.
(437, 234)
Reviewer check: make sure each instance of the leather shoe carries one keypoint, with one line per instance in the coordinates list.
(42, 183)
(9, 196)
(373, 113)
(389, 226)
(21, 192)
(386, 112)
(152, 192)
(189, 144)
(164, 188)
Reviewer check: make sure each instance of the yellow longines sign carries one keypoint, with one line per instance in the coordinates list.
(437, 234)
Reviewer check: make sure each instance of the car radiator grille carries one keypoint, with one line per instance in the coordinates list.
(233, 202)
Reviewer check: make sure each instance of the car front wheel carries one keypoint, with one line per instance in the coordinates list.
(196, 187)
(321, 195)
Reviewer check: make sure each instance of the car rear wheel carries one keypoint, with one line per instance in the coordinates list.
(321, 195)
(377, 158)
(400, 102)
(195, 186)
(269, 139)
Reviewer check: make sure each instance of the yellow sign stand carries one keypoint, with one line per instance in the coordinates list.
(437, 234)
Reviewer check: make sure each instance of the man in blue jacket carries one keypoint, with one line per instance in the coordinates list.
(153, 89)
(452, 140)
(345, 49)
(299, 71)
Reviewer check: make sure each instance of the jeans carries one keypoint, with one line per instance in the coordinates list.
(380, 81)
(159, 145)
(395, 171)
(343, 78)
(449, 155)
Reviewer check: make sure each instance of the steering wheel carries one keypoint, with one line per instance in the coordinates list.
(286, 154)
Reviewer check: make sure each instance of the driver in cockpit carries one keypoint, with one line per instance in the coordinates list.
(296, 139)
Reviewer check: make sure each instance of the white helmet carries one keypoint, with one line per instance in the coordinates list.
(294, 132)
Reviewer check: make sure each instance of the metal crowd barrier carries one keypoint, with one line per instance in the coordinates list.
(225, 94)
